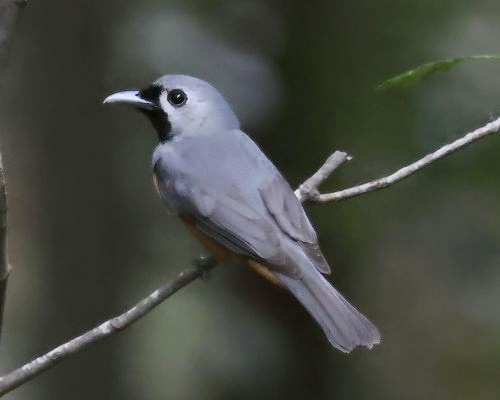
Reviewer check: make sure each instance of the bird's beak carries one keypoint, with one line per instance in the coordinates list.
(132, 97)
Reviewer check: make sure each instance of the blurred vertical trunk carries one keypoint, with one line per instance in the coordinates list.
(75, 193)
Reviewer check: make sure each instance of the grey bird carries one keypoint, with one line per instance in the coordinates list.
(236, 202)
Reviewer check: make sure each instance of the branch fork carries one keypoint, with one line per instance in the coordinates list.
(309, 190)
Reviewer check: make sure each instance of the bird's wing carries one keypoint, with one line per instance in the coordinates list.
(233, 221)
(289, 214)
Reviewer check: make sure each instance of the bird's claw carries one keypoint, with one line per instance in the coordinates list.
(205, 265)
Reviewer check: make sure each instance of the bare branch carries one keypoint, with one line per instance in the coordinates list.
(309, 189)
(110, 327)
(4, 265)
(9, 14)
(377, 184)
(10, 11)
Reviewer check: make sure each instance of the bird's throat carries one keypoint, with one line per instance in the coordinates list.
(160, 122)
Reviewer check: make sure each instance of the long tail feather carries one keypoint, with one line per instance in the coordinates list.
(344, 326)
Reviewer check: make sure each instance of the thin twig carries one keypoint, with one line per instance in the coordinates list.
(9, 15)
(10, 11)
(377, 184)
(4, 264)
(110, 327)
(309, 190)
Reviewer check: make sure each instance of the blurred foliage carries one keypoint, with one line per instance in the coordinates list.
(414, 75)
(89, 236)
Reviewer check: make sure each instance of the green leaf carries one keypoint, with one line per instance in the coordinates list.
(414, 75)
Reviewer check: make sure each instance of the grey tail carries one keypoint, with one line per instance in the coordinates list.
(344, 326)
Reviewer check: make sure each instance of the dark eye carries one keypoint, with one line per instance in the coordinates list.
(177, 97)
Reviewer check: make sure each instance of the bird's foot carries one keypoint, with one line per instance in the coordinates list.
(205, 265)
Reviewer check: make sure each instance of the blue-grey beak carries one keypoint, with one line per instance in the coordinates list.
(132, 97)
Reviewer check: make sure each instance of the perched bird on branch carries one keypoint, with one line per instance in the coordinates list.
(236, 202)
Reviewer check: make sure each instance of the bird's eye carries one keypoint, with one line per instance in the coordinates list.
(177, 97)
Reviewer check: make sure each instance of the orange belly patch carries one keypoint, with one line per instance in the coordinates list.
(223, 254)
(155, 183)
(219, 251)
(265, 272)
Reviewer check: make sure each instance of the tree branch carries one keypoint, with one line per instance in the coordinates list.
(310, 192)
(307, 191)
(4, 265)
(110, 327)
(10, 11)
(9, 14)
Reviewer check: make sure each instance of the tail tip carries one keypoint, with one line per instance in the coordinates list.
(349, 347)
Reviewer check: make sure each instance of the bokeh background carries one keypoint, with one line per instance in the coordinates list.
(89, 237)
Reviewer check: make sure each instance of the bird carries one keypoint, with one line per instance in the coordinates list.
(235, 201)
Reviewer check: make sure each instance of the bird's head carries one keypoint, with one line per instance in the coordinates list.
(179, 105)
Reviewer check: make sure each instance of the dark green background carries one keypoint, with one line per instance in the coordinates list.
(89, 237)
